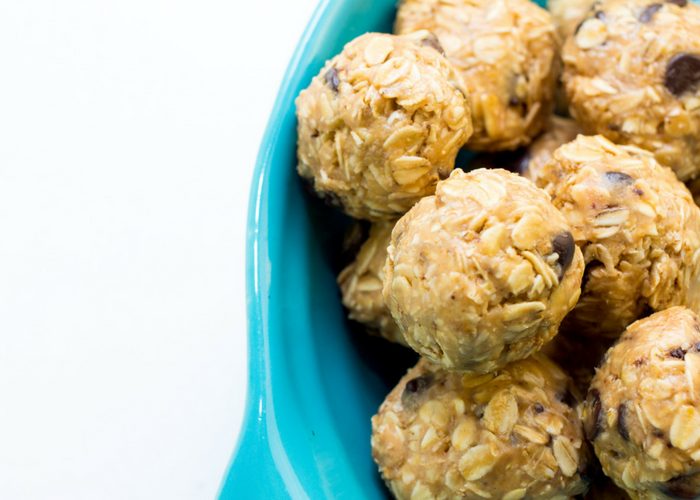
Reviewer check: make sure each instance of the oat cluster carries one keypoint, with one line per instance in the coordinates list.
(632, 73)
(508, 53)
(381, 124)
(637, 226)
(509, 434)
(361, 285)
(643, 408)
(551, 286)
(483, 272)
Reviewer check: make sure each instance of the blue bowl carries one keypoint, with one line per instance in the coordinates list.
(313, 383)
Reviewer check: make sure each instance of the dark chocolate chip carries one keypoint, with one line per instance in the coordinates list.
(680, 3)
(649, 12)
(622, 428)
(563, 244)
(331, 78)
(418, 384)
(538, 408)
(678, 352)
(432, 41)
(697, 346)
(619, 178)
(513, 101)
(315, 133)
(681, 487)
(600, 15)
(682, 74)
(593, 421)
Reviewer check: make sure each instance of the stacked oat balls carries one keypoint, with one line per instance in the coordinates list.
(551, 287)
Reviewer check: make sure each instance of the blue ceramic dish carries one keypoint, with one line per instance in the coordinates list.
(313, 384)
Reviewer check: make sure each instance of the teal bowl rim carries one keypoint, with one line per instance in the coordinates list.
(254, 428)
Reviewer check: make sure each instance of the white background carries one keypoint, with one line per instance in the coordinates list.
(128, 132)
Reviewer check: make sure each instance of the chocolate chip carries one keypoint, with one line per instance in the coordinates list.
(513, 101)
(414, 387)
(331, 78)
(682, 74)
(680, 3)
(622, 428)
(600, 15)
(432, 41)
(681, 487)
(538, 408)
(678, 352)
(563, 244)
(697, 346)
(619, 178)
(592, 423)
(657, 433)
(649, 12)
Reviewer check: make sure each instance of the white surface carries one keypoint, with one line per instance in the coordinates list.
(128, 131)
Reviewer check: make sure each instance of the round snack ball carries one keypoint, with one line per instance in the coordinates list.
(637, 226)
(381, 124)
(642, 412)
(361, 285)
(507, 52)
(482, 273)
(508, 434)
(568, 14)
(632, 73)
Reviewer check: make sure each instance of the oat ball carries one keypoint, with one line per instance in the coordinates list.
(568, 14)
(482, 273)
(508, 434)
(506, 50)
(637, 226)
(642, 412)
(632, 73)
(381, 124)
(361, 285)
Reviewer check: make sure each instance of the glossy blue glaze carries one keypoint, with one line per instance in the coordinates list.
(313, 384)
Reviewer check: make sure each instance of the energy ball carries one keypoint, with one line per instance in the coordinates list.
(568, 14)
(381, 124)
(508, 53)
(361, 285)
(482, 273)
(508, 434)
(637, 226)
(632, 73)
(642, 412)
